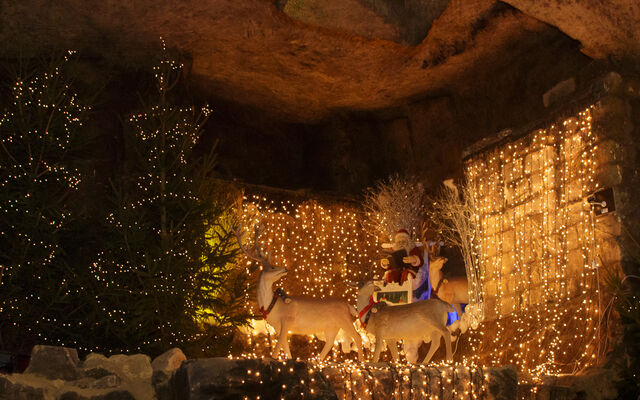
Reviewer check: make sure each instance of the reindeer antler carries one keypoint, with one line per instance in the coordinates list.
(255, 253)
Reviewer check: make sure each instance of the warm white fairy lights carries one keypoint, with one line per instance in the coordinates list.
(536, 256)
(323, 246)
(155, 264)
(536, 248)
(355, 381)
(36, 131)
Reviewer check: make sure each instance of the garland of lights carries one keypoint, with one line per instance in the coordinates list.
(36, 180)
(533, 224)
(534, 192)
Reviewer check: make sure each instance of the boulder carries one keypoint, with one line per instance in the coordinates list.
(135, 367)
(164, 367)
(36, 387)
(593, 383)
(166, 364)
(125, 373)
(53, 362)
(10, 389)
(209, 378)
(502, 382)
(109, 381)
(113, 395)
(103, 382)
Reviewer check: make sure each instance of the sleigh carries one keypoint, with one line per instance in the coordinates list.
(395, 293)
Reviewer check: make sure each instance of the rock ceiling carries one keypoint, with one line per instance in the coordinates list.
(304, 59)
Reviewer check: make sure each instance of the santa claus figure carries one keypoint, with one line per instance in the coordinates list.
(405, 259)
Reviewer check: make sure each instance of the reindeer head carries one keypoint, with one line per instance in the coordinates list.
(365, 288)
(436, 263)
(270, 274)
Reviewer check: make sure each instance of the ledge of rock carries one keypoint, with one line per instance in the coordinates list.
(222, 377)
(302, 63)
(129, 377)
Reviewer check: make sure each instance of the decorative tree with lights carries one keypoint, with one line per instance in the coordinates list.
(454, 216)
(38, 128)
(394, 209)
(169, 257)
(394, 204)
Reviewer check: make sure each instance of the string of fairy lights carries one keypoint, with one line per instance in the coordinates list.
(536, 247)
(36, 130)
(536, 253)
(323, 246)
(352, 381)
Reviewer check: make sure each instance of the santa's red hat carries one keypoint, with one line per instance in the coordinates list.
(403, 232)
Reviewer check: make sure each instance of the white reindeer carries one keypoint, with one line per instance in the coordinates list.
(412, 323)
(301, 314)
(454, 290)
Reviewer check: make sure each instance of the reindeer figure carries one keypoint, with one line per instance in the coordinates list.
(300, 314)
(454, 290)
(412, 323)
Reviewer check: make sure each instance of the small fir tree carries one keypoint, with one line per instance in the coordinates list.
(39, 121)
(170, 252)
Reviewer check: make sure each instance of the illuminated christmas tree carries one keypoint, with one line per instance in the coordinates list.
(39, 121)
(168, 259)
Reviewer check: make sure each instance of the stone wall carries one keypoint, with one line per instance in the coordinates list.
(545, 251)
(539, 237)
(56, 373)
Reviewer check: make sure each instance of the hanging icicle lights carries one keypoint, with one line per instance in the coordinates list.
(323, 247)
(536, 252)
(536, 248)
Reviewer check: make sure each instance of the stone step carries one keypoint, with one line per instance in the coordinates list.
(224, 378)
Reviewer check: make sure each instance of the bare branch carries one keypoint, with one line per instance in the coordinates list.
(394, 204)
(454, 217)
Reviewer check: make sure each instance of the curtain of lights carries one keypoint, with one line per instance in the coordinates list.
(536, 247)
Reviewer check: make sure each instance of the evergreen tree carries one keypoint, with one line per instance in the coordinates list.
(166, 263)
(39, 121)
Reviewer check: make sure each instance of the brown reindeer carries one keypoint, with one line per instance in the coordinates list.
(454, 290)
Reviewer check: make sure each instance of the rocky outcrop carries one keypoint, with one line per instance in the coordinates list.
(252, 53)
(605, 29)
(130, 373)
(171, 377)
(225, 378)
(405, 22)
(54, 363)
(592, 384)
(56, 373)
(164, 367)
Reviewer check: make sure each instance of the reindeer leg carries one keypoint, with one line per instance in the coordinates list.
(447, 343)
(392, 344)
(435, 343)
(287, 350)
(411, 350)
(282, 341)
(379, 347)
(330, 336)
(351, 331)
